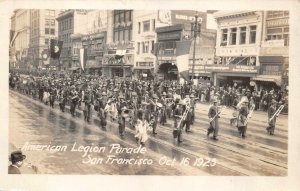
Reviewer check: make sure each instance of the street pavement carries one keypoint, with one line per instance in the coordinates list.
(259, 154)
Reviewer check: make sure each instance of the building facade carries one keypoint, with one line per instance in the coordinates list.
(70, 22)
(237, 47)
(118, 57)
(145, 38)
(178, 27)
(19, 46)
(43, 28)
(274, 52)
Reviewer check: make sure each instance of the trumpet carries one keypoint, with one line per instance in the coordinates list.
(250, 113)
(277, 112)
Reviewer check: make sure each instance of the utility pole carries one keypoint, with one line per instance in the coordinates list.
(196, 30)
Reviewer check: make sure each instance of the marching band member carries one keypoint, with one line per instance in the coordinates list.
(88, 101)
(121, 106)
(271, 113)
(242, 117)
(74, 100)
(154, 113)
(163, 115)
(186, 122)
(62, 99)
(213, 115)
(177, 130)
(102, 110)
(141, 126)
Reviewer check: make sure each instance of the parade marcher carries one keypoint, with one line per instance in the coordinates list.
(74, 99)
(177, 130)
(141, 127)
(213, 115)
(52, 95)
(102, 111)
(121, 107)
(88, 101)
(163, 114)
(154, 113)
(242, 118)
(62, 99)
(16, 159)
(192, 107)
(271, 113)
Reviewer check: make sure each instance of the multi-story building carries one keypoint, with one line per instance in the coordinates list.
(119, 52)
(237, 48)
(145, 38)
(43, 27)
(274, 52)
(176, 26)
(70, 22)
(20, 23)
(12, 36)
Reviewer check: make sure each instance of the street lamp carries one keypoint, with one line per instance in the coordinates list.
(196, 29)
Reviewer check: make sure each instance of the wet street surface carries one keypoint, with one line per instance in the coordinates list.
(33, 123)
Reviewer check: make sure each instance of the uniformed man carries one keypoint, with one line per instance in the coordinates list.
(121, 106)
(242, 118)
(74, 99)
(102, 113)
(213, 115)
(154, 113)
(177, 130)
(271, 113)
(88, 100)
(163, 115)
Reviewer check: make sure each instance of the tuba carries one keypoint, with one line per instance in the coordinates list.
(250, 113)
(277, 112)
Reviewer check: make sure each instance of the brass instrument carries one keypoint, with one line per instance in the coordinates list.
(218, 113)
(250, 113)
(186, 111)
(277, 112)
(125, 113)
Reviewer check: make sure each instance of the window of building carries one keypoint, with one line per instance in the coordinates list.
(126, 35)
(47, 12)
(153, 24)
(122, 17)
(242, 35)
(52, 31)
(146, 26)
(116, 36)
(46, 41)
(286, 39)
(224, 37)
(152, 46)
(47, 31)
(271, 69)
(139, 30)
(146, 47)
(252, 34)
(70, 23)
(233, 36)
(121, 35)
(129, 34)
(116, 19)
(138, 47)
(52, 22)
(127, 16)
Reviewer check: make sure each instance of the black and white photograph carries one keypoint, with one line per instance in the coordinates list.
(149, 92)
(149, 95)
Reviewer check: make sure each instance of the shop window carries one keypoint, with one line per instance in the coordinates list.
(146, 26)
(224, 37)
(252, 39)
(243, 35)
(233, 36)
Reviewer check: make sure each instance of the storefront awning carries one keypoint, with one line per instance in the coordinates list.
(268, 78)
(73, 68)
(271, 59)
